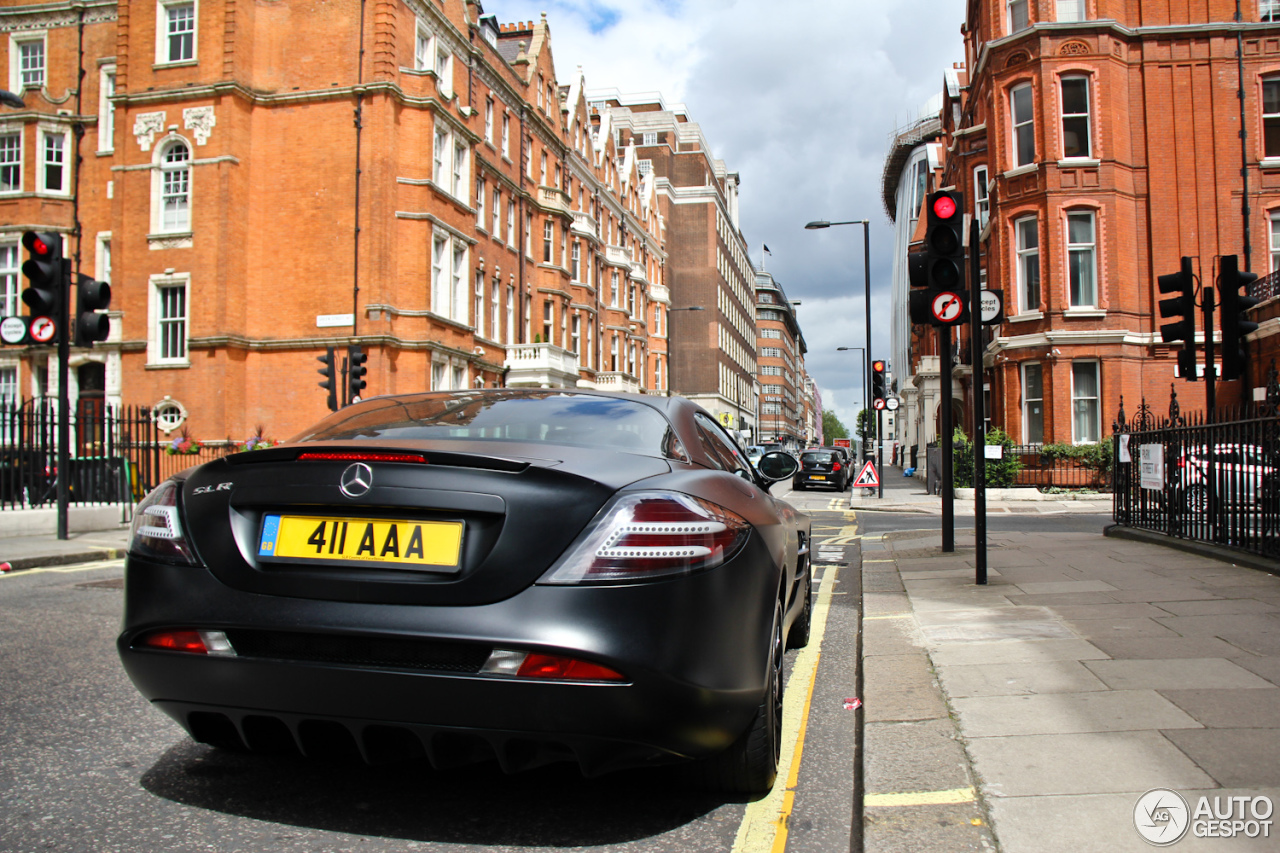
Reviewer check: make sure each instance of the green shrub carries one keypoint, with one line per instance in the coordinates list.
(1000, 472)
(1095, 456)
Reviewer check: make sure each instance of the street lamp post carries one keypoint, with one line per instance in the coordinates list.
(866, 272)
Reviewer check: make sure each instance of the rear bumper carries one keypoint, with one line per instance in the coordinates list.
(692, 650)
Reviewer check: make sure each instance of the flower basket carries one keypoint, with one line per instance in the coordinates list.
(183, 446)
(255, 442)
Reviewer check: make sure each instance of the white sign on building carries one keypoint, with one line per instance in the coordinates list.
(1151, 463)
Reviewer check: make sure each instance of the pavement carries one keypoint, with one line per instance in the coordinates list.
(1033, 713)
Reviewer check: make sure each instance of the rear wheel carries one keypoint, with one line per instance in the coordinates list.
(798, 637)
(1196, 500)
(750, 765)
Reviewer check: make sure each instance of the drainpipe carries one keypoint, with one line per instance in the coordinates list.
(524, 235)
(1244, 137)
(355, 236)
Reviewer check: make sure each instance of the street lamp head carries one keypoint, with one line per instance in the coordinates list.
(9, 99)
(816, 224)
(689, 308)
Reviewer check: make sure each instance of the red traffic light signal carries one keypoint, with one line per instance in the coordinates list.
(46, 273)
(944, 205)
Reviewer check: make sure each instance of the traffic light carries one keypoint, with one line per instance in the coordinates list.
(1232, 304)
(939, 267)
(330, 374)
(91, 298)
(877, 380)
(1182, 309)
(46, 272)
(356, 358)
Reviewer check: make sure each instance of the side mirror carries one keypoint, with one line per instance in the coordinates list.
(777, 465)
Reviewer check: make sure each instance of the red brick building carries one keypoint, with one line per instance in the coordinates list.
(410, 177)
(1097, 142)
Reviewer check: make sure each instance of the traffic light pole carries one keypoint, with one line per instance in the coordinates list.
(979, 413)
(1211, 403)
(63, 474)
(948, 446)
(879, 455)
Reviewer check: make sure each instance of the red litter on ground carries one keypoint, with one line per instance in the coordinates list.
(852, 704)
(5, 567)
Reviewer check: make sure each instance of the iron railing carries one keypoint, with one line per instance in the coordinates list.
(1207, 479)
(1043, 467)
(117, 455)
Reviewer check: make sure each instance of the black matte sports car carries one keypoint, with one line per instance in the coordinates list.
(521, 575)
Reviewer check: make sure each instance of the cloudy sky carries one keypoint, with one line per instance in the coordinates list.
(803, 108)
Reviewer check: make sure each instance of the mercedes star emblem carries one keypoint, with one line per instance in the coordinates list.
(356, 480)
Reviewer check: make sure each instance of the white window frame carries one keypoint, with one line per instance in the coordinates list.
(488, 119)
(1025, 126)
(1269, 11)
(449, 282)
(1027, 401)
(1069, 11)
(497, 213)
(511, 224)
(160, 171)
(482, 193)
(165, 34)
(46, 133)
(1089, 407)
(1025, 255)
(451, 161)
(157, 332)
(17, 73)
(1087, 251)
(10, 279)
(495, 311)
(479, 302)
(1270, 120)
(1275, 240)
(1013, 14)
(106, 109)
(511, 315)
(1086, 116)
(506, 134)
(13, 130)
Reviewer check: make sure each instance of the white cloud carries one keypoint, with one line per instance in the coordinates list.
(801, 101)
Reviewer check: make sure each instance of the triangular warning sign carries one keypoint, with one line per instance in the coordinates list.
(867, 476)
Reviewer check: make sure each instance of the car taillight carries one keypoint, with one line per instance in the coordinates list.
(650, 535)
(157, 527)
(835, 467)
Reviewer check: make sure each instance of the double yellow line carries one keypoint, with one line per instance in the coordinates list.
(764, 826)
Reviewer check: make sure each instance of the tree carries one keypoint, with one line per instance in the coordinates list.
(832, 428)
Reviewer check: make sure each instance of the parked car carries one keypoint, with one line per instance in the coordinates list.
(1243, 472)
(823, 466)
(754, 453)
(519, 575)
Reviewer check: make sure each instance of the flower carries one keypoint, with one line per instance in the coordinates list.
(183, 445)
(256, 441)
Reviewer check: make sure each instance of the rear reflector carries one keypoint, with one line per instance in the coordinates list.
(357, 456)
(537, 665)
(571, 669)
(192, 642)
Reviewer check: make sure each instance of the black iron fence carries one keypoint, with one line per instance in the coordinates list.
(117, 455)
(1212, 480)
(1058, 466)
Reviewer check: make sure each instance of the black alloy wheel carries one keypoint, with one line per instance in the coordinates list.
(1196, 499)
(798, 637)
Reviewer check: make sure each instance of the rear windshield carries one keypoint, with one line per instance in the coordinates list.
(552, 417)
(822, 456)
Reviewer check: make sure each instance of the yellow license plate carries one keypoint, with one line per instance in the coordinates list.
(389, 543)
(817, 476)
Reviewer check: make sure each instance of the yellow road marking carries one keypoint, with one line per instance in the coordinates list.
(79, 567)
(921, 798)
(764, 826)
(887, 616)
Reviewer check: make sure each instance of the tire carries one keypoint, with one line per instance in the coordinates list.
(750, 765)
(798, 636)
(1196, 500)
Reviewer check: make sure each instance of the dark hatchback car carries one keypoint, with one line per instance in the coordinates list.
(524, 576)
(823, 466)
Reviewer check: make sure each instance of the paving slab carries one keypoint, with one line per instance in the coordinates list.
(1268, 668)
(900, 687)
(1011, 679)
(1122, 629)
(1038, 588)
(1169, 647)
(1221, 607)
(1085, 763)
(1241, 708)
(1031, 651)
(914, 756)
(1243, 757)
(1176, 674)
(1111, 711)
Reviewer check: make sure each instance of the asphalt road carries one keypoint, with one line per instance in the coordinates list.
(87, 765)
